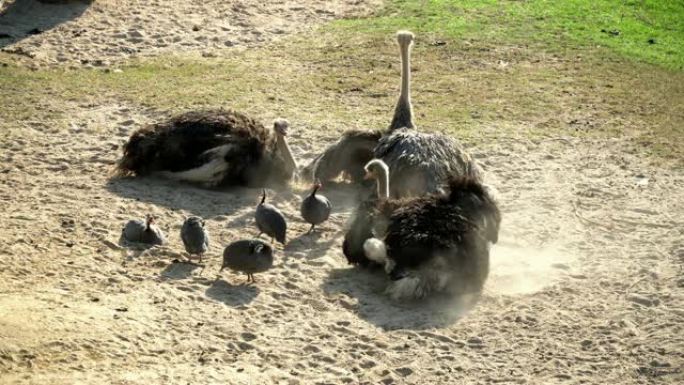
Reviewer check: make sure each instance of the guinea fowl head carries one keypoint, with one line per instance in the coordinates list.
(261, 249)
(149, 222)
(316, 186)
(280, 126)
(195, 221)
(263, 196)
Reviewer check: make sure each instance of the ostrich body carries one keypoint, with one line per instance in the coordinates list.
(315, 208)
(270, 220)
(138, 231)
(345, 157)
(195, 237)
(434, 243)
(421, 162)
(248, 256)
(211, 147)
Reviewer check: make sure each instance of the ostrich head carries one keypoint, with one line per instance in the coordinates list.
(280, 127)
(405, 38)
(377, 169)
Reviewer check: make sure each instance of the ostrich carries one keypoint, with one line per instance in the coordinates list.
(434, 243)
(211, 147)
(420, 162)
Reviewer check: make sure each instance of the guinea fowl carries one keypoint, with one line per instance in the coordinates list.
(212, 147)
(138, 231)
(270, 220)
(195, 237)
(315, 208)
(248, 256)
(421, 162)
(435, 243)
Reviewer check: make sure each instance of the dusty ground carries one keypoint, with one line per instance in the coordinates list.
(586, 283)
(104, 31)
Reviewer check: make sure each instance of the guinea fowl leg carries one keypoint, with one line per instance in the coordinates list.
(311, 229)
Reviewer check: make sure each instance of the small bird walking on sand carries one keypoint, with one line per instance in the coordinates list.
(248, 256)
(315, 208)
(195, 237)
(270, 220)
(138, 231)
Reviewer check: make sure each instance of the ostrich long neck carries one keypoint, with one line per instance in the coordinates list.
(403, 112)
(383, 184)
(284, 149)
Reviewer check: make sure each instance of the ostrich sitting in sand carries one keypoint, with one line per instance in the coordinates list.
(212, 147)
(420, 162)
(434, 243)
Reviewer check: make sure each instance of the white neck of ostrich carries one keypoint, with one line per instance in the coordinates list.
(383, 184)
(285, 152)
(405, 96)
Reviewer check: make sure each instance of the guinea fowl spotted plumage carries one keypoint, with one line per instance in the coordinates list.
(195, 237)
(434, 243)
(315, 208)
(212, 147)
(421, 162)
(248, 256)
(270, 220)
(138, 231)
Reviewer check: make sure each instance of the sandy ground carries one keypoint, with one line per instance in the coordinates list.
(100, 32)
(586, 283)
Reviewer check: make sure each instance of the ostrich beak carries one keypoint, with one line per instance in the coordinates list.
(368, 176)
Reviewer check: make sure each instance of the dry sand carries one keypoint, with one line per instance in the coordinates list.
(104, 31)
(586, 283)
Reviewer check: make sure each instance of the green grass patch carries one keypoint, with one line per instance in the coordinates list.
(644, 30)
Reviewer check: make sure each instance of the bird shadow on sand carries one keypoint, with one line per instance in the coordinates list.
(232, 295)
(180, 269)
(23, 18)
(203, 202)
(315, 244)
(374, 306)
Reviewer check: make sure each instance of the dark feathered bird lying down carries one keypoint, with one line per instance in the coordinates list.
(270, 220)
(315, 208)
(248, 256)
(421, 162)
(195, 237)
(211, 147)
(434, 243)
(138, 231)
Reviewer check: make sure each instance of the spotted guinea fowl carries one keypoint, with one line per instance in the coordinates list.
(315, 208)
(270, 220)
(248, 256)
(195, 237)
(435, 243)
(139, 231)
(421, 162)
(212, 147)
